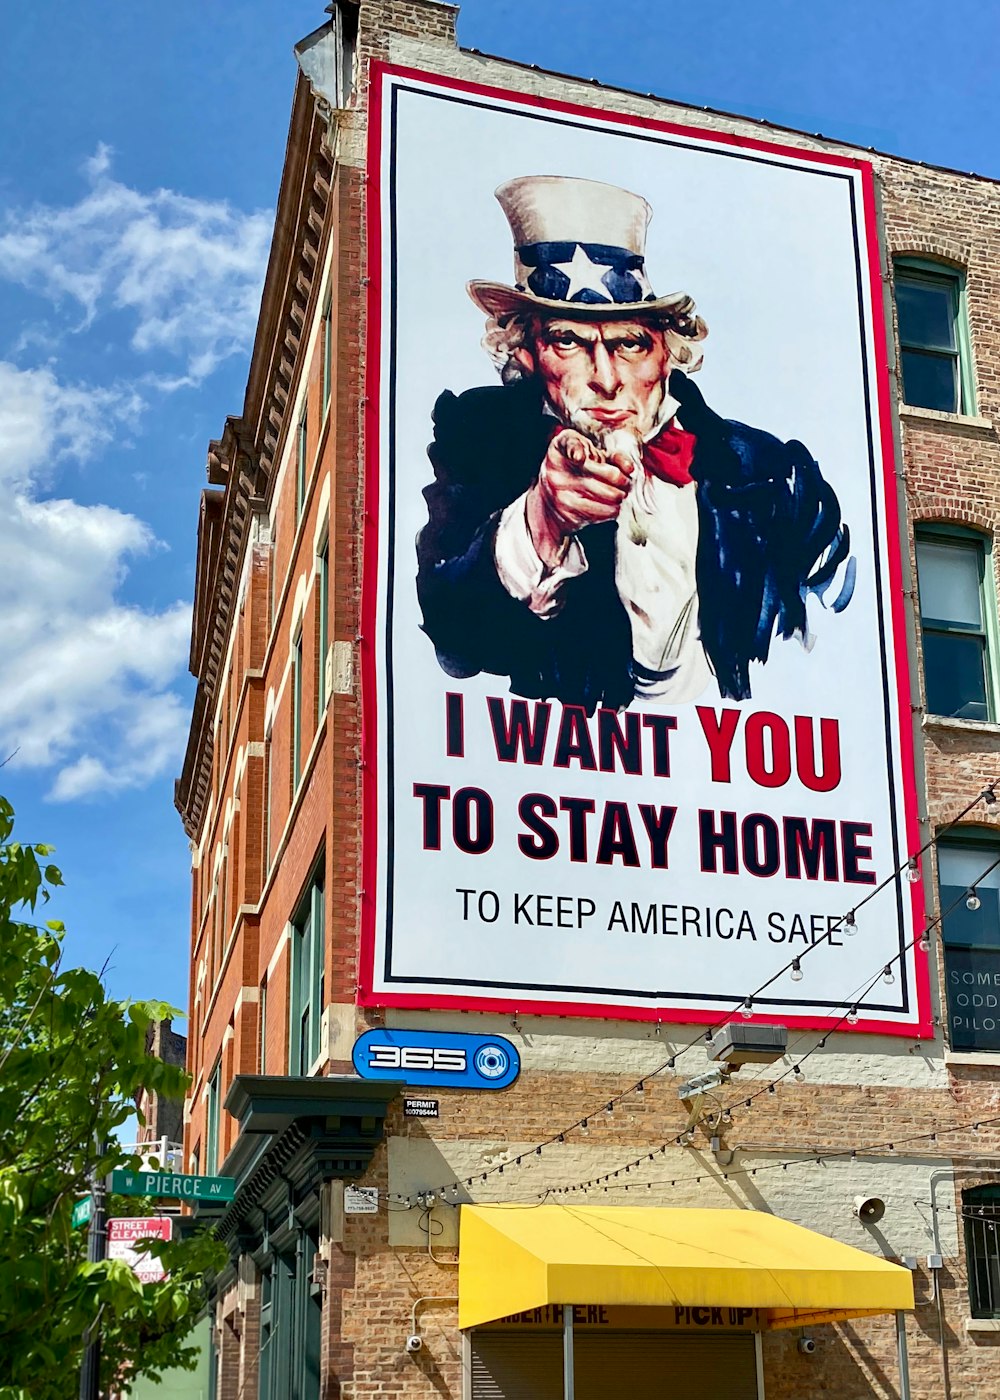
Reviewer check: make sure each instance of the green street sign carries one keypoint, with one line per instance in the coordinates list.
(83, 1209)
(174, 1185)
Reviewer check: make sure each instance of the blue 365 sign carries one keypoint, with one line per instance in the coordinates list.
(446, 1059)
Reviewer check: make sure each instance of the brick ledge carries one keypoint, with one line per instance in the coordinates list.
(956, 420)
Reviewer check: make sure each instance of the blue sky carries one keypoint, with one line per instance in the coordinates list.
(141, 156)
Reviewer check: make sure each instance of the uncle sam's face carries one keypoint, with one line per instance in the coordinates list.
(600, 377)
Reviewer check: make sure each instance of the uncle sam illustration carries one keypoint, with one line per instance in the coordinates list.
(596, 532)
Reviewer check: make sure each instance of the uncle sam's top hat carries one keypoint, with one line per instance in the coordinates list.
(579, 249)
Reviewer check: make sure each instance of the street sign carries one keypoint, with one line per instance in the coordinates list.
(174, 1185)
(123, 1232)
(83, 1209)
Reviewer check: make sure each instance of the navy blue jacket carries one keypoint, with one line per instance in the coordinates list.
(770, 533)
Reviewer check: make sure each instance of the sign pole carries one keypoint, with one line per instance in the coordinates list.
(97, 1242)
(569, 1380)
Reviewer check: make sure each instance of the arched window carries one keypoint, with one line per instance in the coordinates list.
(957, 621)
(933, 336)
(981, 1211)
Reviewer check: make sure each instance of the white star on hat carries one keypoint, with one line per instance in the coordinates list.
(584, 275)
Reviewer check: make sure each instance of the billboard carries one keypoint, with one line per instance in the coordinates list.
(636, 704)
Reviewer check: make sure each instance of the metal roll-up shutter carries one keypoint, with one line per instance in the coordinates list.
(642, 1365)
(645, 1365)
(517, 1366)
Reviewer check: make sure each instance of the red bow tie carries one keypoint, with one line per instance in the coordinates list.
(669, 455)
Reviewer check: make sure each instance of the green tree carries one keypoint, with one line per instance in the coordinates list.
(71, 1062)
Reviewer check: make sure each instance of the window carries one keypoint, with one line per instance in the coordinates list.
(933, 338)
(301, 446)
(262, 1047)
(291, 1314)
(971, 933)
(212, 1120)
(268, 797)
(957, 618)
(297, 711)
(306, 1012)
(327, 349)
(981, 1212)
(323, 602)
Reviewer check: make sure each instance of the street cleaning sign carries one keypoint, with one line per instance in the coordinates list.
(174, 1185)
(124, 1233)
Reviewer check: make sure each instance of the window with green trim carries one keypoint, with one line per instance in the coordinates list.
(297, 711)
(290, 1323)
(969, 892)
(933, 336)
(307, 980)
(958, 621)
(323, 603)
(981, 1218)
(327, 349)
(301, 459)
(212, 1107)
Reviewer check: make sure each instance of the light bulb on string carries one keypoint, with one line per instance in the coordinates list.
(913, 870)
(850, 923)
(746, 1010)
(852, 1016)
(796, 973)
(924, 941)
(887, 975)
(972, 900)
(989, 796)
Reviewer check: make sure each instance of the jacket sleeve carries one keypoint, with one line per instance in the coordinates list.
(486, 451)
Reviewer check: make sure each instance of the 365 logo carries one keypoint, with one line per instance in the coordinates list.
(454, 1059)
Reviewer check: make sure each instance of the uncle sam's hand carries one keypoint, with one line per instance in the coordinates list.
(577, 485)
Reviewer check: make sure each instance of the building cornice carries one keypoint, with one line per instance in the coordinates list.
(243, 462)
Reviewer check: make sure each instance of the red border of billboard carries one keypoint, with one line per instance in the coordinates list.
(923, 1026)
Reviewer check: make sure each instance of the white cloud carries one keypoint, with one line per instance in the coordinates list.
(186, 272)
(86, 677)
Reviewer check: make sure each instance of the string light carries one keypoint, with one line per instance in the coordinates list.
(913, 870)
(796, 970)
(847, 924)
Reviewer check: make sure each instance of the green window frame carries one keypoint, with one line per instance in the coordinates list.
(323, 595)
(327, 349)
(212, 1107)
(290, 1323)
(307, 979)
(297, 710)
(981, 1221)
(301, 459)
(958, 621)
(934, 344)
(968, 863)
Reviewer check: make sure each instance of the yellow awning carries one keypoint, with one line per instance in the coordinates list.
(514, 1258)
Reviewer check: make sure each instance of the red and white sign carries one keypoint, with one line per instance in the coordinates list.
(630, 757)
(123, 1234)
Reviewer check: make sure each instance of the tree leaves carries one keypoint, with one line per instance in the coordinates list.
(71, 1063)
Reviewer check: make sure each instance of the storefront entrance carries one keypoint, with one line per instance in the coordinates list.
(520, 1364)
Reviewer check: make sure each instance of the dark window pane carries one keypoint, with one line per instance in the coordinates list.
(976, 929)
(950, 577)
(955, 673)
(931, 381)
(926, 312)
(973, 982)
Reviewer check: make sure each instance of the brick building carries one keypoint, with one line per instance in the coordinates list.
(322, 1296)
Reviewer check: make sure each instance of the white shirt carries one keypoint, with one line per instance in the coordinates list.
(655, 551)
